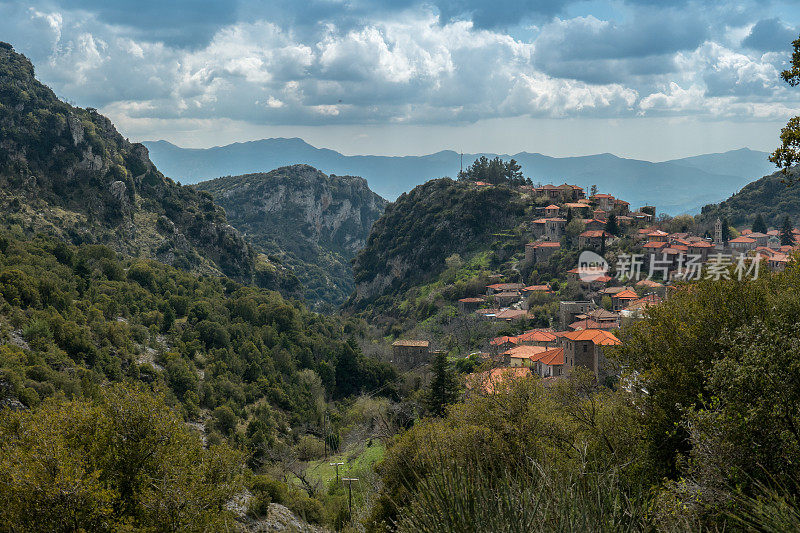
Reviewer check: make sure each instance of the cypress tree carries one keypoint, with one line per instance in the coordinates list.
(787, 237)
(444, 387)
(759, 226)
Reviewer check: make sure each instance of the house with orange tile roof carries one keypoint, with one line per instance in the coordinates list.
(742, 244)
(503, 287)
(551, 210)
(540, 252)
(654, 246)
(603, 201)
(524, 355)
(622, 299)
(527, 291)
(585, 348)
(594, 238)
(550, 363)
(700, 248)
(537, 337)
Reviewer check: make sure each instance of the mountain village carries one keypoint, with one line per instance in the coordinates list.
(650, 264)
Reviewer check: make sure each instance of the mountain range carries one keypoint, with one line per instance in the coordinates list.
(676, 186)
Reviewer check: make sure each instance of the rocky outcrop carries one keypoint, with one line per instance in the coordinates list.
(313, 222)
(68, 172)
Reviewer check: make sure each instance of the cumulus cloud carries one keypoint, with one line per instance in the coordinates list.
(395, 62)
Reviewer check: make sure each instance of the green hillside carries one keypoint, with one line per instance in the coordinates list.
(771, 197)
(66, 171)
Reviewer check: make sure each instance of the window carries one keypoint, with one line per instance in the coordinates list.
(584, 348)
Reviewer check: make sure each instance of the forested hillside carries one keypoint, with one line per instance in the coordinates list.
(410, 242)
(313, 223)
(67, 172)
(241, 364)
(772, 197)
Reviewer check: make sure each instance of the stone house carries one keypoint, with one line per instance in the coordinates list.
(554, 228)
(410, 353)
(469, 305)
(585, 348)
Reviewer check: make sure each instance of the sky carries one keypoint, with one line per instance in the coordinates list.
(651, 79)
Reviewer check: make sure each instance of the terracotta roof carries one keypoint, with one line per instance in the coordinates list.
(627, 294)
(756, 235)
(510, 314)
(585, 324)
(602, 314)
(417, 344)
(597, 336)
(506, 294)
(594, 233)
(552, 206)
(553, 357)
(747, 231)
(602, 195)
(498, 341)
(643, 303)
(537, 288)
(654, 244)
(537, 336)
(505, 286)
(743, 240)
(525, 352)
(657, 233)
(700, 244)
(548, 245)
(471, 300)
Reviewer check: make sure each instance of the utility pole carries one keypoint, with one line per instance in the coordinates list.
(350, 492)
(337, 465)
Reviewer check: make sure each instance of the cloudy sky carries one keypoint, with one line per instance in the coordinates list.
(643, 78)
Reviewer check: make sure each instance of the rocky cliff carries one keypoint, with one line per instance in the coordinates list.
(314, 223)
(66, 171)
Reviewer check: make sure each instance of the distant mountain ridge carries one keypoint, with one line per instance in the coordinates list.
(314, 223)
(676, 186)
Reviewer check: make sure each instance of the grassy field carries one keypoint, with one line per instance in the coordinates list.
(355, 462)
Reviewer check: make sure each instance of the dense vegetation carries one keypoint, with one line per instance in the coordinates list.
(700, 433)
(120, 460)
(310, 222)
(408, 245)
(769, 197)
(66, 171)
(241, 363)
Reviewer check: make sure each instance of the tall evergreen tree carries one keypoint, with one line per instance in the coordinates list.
(759, 226)
(444, 387)
(612, 226)
(787, 237)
